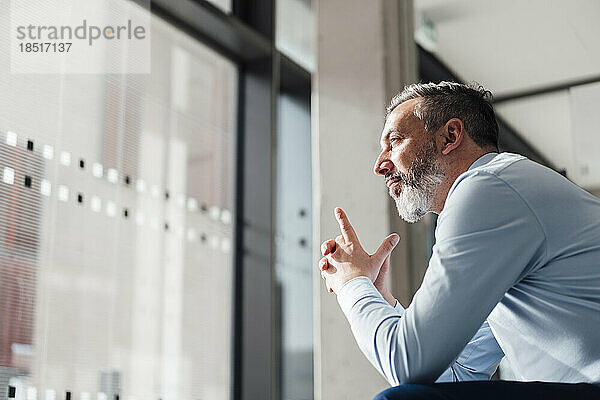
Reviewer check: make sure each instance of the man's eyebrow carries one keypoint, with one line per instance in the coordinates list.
(387, 135)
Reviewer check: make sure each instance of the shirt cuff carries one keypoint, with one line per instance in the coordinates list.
(355, 290)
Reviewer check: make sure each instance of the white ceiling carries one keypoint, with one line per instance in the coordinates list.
(548, 132)
(511, 46)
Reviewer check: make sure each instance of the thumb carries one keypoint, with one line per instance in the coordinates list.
(386, 247)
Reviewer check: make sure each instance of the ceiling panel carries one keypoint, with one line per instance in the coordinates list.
(513, 45)
(544, 121)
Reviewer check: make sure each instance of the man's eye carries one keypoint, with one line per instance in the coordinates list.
(395, 141)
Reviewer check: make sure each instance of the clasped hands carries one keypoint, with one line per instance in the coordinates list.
(345, 259)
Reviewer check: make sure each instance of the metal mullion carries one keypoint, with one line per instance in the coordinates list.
(552, 88)
(258, 14)
(256, 330)
(275, 381)
(226, 34)
(254, 261)
(238, 248)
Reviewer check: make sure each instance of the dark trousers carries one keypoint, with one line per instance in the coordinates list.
(492, 390)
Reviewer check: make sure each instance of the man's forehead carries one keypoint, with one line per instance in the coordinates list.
(402, 115)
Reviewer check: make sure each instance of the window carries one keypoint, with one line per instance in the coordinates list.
(116, 228)
(295, 34)
(294, 256)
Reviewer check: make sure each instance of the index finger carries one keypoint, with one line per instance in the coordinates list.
(345, 226)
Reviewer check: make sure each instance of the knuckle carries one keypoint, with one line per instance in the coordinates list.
(323, 263)
(327, 246)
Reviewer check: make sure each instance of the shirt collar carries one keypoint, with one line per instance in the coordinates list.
(484, 159)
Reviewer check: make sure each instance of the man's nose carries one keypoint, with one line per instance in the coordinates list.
(383, 166)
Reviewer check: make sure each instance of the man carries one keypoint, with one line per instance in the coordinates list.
(515, 270)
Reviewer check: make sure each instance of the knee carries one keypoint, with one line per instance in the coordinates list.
(403, 392)
(385, 395)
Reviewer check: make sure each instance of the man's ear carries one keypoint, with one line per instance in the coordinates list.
(451, 135)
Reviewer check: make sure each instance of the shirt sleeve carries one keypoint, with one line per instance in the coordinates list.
(477, 361)
(487, 240)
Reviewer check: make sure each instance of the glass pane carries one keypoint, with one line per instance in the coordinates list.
(116, 227)
(293, 248)
(295, 21)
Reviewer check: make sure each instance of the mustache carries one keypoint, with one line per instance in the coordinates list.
(398, 176)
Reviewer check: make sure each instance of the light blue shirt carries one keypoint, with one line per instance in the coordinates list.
(515, 272)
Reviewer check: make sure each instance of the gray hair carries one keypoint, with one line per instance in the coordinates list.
(440, 102)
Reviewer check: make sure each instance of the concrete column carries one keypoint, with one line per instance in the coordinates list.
(363, 57)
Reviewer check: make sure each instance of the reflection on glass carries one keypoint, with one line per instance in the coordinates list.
(102, 290)
(293, 248)
(295, 31)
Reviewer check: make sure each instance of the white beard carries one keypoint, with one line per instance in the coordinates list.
(413, 202)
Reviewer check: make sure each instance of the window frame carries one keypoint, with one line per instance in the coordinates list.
(246, 36)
